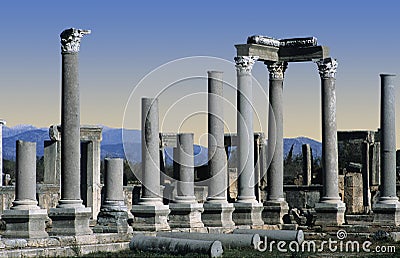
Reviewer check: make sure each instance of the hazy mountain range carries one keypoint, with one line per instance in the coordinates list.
(112, 143)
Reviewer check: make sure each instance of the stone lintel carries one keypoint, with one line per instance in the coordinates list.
(87, 132)
(265, 53)
(303, 54)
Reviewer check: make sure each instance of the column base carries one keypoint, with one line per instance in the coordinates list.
(386, 213)
(330, 213)
(248, 213)
(185, 215)
(218, 214)
(71, 221)
(147, 217)
(274, 211)
(25, 223)
(113, 219)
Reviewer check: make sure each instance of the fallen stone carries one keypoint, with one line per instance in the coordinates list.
(286, 235)
(176, 246)
(228, 241)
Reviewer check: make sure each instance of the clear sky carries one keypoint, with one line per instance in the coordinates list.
(131, 38)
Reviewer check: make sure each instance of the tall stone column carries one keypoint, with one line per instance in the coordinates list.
(2, 122)
(275, 207)
(25, 219)
(185, 211)
(150, 213)
(113, 216)
(330, 209)
(387, 209)
(247, 209)
(70, 217)
(217, 210)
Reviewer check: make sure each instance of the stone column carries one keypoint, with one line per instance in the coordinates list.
(275, 207)
(330, 209)
(25, 219)
(247, 209)
(113, 216)
(217, 210)
(70, 217)
(52, 156)
(2, 122)
(387, 209)
(185, 211)
(307, 164)
(150, 213)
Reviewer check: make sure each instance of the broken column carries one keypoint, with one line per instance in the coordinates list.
(247, 208)
(185, 211)
(113, 216)
(217, 210)
(2, 122)
(175, 246)
(307, 164)
(387, 209)
(150, 213)
(330, 209)
(275, 207)
(70, 217)
(25, 219)
(52, 157)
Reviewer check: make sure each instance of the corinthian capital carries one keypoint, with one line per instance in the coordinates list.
(276, 70)
(71, 40)
(245, 63)
(327, 67)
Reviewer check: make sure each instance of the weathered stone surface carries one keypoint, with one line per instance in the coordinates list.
(248, 214)
(25, 223)
(353, 193)
(273, 212)
(218, 215)
(265, 53)
(176, 246)
(70, 221)
(228, 241)
(150, 217)
(185, 215)
(287, 235)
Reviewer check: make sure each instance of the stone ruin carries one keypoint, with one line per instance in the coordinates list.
(244, 196)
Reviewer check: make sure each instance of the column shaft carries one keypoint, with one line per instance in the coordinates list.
(275, 131)
(70, 123)
(186, 171)
(217, 162)
(150, 150)
(114, 179)
(25, 189)
(245, 132)
(388, 138)
(2, 122)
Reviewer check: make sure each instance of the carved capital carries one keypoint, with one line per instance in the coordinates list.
(276, 70)
(327, 67)
(245, 63)
(71, 39)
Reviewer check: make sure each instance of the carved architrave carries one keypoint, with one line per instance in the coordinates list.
(327, 67)
(71, 39)
(245, 63)
(276, 70)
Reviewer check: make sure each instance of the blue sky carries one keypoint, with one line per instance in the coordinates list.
(129, 39)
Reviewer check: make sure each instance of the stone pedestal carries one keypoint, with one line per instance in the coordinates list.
(218, 214)
(248, 214)
(70, 217)
(185, 215)
(387, 209)
(330, 210)
(25, 219)
(150, 213)
(274, 211)
(113, 216)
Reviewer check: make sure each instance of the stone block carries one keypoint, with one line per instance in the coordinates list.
(112, 222)
(387, 213)
(185, 215)
(25, 223)
(150, 217)
(330, 214)
(218, 215)
(70, 221)
(274, 212)
(248, 214)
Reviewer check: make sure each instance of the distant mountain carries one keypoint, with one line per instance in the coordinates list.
(115, 139)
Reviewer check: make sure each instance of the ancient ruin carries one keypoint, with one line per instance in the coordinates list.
(232, 201)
